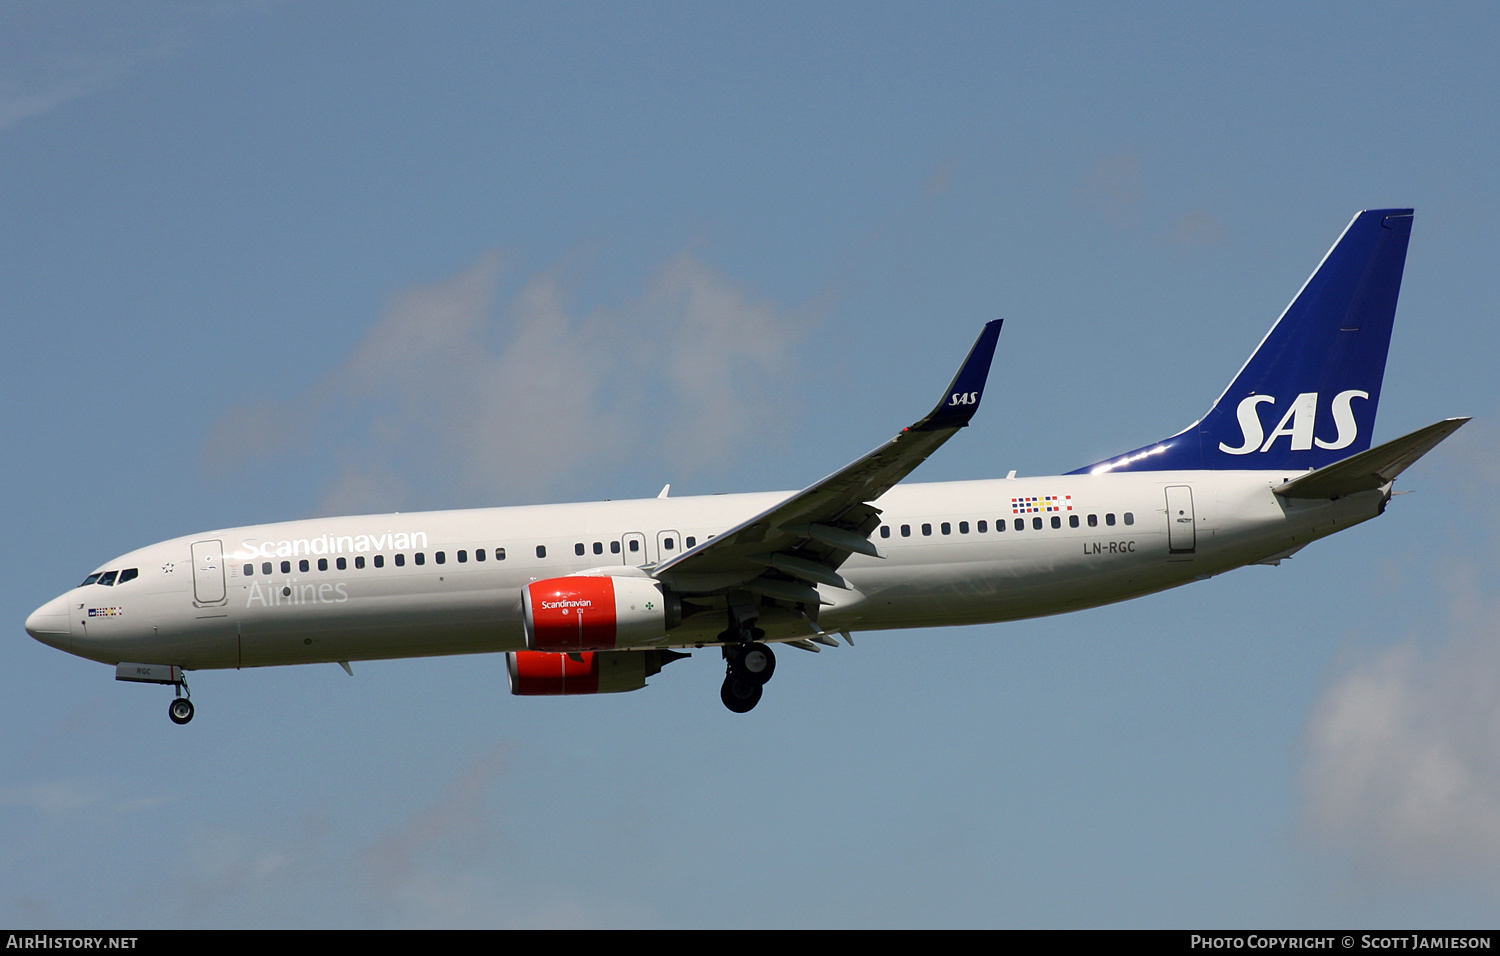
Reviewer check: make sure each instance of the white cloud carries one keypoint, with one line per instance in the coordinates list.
(468, 400)
(52, 797)
(59, 798)
(1403, 748)
(1404, 760)
(446, 864)
(52, 53)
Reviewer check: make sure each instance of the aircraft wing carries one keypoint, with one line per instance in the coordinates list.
(782, 552)
(1370, 469)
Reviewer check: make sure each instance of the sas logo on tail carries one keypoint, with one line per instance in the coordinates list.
(964, 398)
(1296, 424)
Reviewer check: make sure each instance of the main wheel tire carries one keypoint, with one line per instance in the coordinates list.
(180, 710)
(739, 693)
(757, 662)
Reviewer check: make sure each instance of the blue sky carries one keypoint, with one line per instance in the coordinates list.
(270, 260)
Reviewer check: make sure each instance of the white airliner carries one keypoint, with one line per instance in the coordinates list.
(594, 598)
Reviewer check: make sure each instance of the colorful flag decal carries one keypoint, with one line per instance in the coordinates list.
(1036, 504)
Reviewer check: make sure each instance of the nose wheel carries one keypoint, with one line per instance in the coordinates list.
(181, 710)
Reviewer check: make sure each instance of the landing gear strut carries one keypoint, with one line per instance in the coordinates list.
(181, 708)
(748, 662)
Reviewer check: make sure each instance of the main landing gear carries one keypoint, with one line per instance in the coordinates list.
(748, 669)
(748, 662)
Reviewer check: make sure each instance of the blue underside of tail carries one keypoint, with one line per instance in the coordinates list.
(1308, 396)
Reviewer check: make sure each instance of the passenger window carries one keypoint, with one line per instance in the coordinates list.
(984, 526)
(441, 557)
(380, 560)
(1072, 521)
(691, 541)
(342, 564)
(614, 547)
(598, 547)
(249, 570)
(541, 550)
(322, 564)
(421, 558)
(578, 548)
(1129, 517)
(1093, 521)
(947, 528)
(286, 567)
(265, 568)
(1109, 519)
(885, 531)
(359, 562)
(302, 565)
(400, 560)
(1057, 521)
(963, 527)
(926, 528)
(499, 554)
(1036, 524)
(463, 556)
(479, 554)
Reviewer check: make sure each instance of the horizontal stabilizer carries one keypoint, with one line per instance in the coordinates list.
(1371, 469)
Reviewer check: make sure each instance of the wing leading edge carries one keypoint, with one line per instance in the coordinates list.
(783, 552)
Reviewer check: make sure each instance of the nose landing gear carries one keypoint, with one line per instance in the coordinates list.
(180, 710)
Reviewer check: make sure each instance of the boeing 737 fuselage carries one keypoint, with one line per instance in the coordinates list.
(597, 597)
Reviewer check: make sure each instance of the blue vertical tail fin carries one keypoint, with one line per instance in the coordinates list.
(1308, 395)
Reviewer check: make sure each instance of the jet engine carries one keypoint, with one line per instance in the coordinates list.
(596, 613)
(539, 673)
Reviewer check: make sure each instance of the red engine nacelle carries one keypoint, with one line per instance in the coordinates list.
(539, 673)
(588, 613)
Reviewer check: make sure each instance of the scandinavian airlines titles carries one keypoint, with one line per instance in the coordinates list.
(331, 544)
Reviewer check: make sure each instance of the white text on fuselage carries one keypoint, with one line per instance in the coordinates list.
(331, 544)
(273, 595)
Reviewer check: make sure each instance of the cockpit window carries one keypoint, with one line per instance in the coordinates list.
(129, 574)
(90, 579)
(108, 578)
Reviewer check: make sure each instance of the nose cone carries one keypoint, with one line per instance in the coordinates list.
(52, 624)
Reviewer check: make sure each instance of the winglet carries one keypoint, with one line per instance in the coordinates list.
(961, 400)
